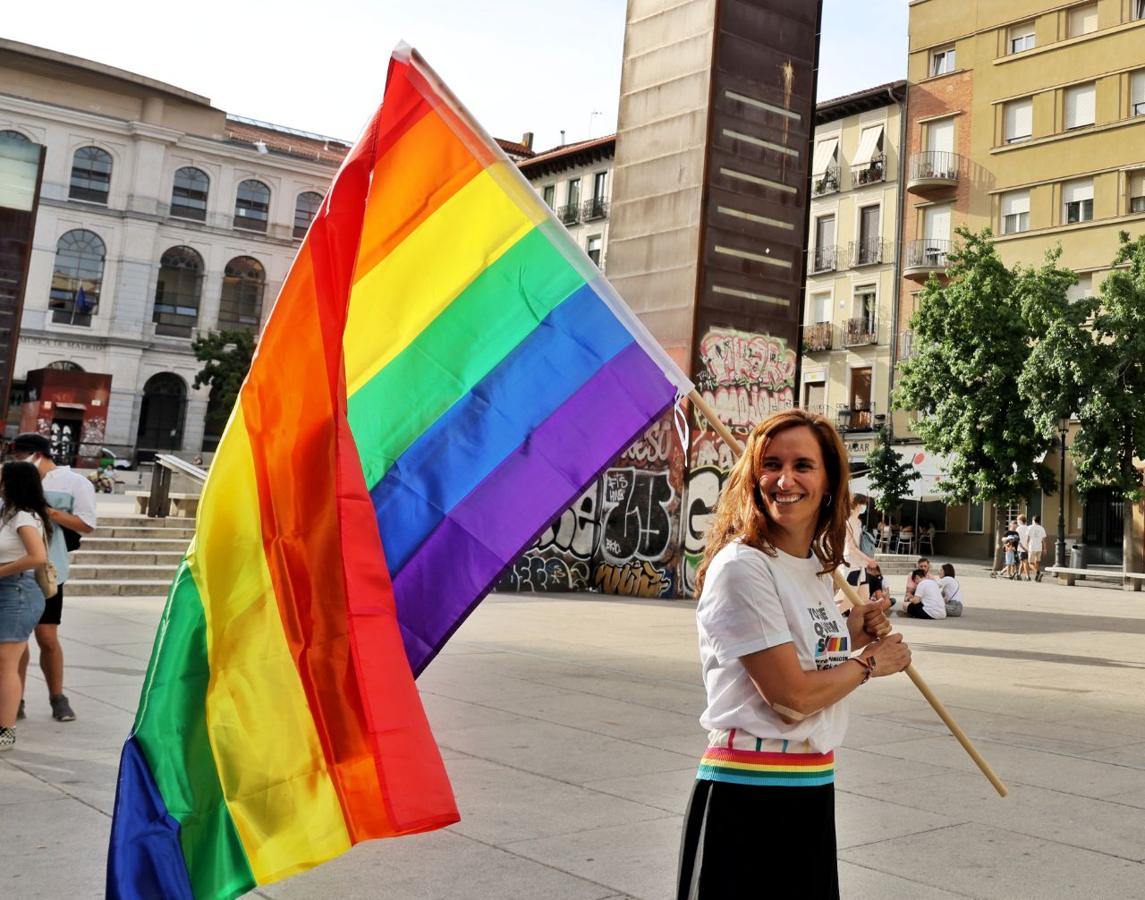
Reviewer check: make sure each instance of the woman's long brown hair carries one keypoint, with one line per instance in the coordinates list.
(741, 514)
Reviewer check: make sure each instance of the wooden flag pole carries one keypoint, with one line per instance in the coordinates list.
(852, 595)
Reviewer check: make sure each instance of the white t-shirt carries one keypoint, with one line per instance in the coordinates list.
(66, 480)
(751, 602)
(1035, 538)
(930, 593)
(951, 589)
(11, 544)
(1023, 536)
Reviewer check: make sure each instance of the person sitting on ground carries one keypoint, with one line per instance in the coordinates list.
(922, 565)
(951, 591)
(926, 602)
(878, 584)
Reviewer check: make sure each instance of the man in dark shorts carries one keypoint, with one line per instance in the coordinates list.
(72, 500)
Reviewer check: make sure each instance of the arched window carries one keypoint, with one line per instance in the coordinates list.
(77, 278)
(11, 135)
(252, 205)
(177, 292)
(161, 413)
(64, 365)
(304, 212)
(189, 195)
(91, 175)
(240, 306)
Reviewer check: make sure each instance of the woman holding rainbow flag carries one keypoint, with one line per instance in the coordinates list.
(778, 660)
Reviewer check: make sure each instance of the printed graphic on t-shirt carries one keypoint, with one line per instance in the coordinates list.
(833, 645)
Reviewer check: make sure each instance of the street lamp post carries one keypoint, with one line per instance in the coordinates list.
(1063, 428)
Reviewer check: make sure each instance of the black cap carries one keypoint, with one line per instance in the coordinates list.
(30, 442)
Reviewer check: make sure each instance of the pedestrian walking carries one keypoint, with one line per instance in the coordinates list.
(1036, 539)
(778, 662)
(24, 523)
(71, 501)
(1023, 548)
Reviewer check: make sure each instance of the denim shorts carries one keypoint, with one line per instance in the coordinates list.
(21, 605)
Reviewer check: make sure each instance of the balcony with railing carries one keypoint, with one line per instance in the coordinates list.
(594, 209)
(871, 173)
(859, 416)
(825, 182)
(924, 257)
(905, 348)
(570, 214)
(933, 169)
(860, 331)
(870, 252)
(816, 409)
(823, 259)
(818, 337)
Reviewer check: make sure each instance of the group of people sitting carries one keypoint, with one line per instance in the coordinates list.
(928, 595)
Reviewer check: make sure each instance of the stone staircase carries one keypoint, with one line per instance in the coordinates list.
(129, 556)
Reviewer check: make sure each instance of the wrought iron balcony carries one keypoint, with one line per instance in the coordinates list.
(818, 337)
(860, 331)
(869, 252)
(594, 209)
(859, 416)
(823, 259)
(825, 183)
(570, 214)
(872, 173)
(924, 257)
(816, 409)
(933, 169)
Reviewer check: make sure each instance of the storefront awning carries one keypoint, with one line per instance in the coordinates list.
(931, 466)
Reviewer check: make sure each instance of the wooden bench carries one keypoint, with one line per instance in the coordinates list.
(180, 505)
(1131, 581)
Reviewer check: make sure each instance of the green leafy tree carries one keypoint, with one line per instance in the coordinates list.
(971, 344)
(1088, 360)
(890, 475)
(226, 358)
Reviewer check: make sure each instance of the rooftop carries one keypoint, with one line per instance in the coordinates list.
(860, 101)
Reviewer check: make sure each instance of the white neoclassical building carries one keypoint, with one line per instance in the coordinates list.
(160, 218)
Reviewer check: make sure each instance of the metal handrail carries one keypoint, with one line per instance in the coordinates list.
(929, 253)
(868, 252)
(872, 172)
(817, 337)
(166, 465)
(823, 259)
(595, 208)
(826, 182)
(938, 165)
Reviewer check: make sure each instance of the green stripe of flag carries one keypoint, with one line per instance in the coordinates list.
(461, 346)
(171, 729)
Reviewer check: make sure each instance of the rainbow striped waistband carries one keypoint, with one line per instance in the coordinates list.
(767, 768)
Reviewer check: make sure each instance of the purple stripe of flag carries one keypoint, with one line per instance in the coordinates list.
(460, 561)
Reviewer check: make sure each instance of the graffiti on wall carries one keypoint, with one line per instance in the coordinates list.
(746, 376)
(701, 495)
(561, 558)
(640, 507)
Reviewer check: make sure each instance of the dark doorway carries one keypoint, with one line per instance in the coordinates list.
(1104, 527)
(162, 412)
(65, 437)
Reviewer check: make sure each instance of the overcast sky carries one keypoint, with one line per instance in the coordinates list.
(519, 65)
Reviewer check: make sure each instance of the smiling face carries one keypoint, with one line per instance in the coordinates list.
(793, 486)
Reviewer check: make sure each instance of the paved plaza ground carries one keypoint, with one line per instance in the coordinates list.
(568, 724)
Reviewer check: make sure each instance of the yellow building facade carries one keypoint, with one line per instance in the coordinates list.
(1028, 117)
(848, 329)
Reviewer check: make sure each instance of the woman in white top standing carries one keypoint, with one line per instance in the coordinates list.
(775, 652)
(24, 529)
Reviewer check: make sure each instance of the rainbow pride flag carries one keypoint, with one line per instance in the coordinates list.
(443, 372)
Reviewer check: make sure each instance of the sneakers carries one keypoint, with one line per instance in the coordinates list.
(1038, 577)
(61, 709)
(20, 711)
(7, 739)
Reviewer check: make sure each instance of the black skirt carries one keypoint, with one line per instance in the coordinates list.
(753, 841)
